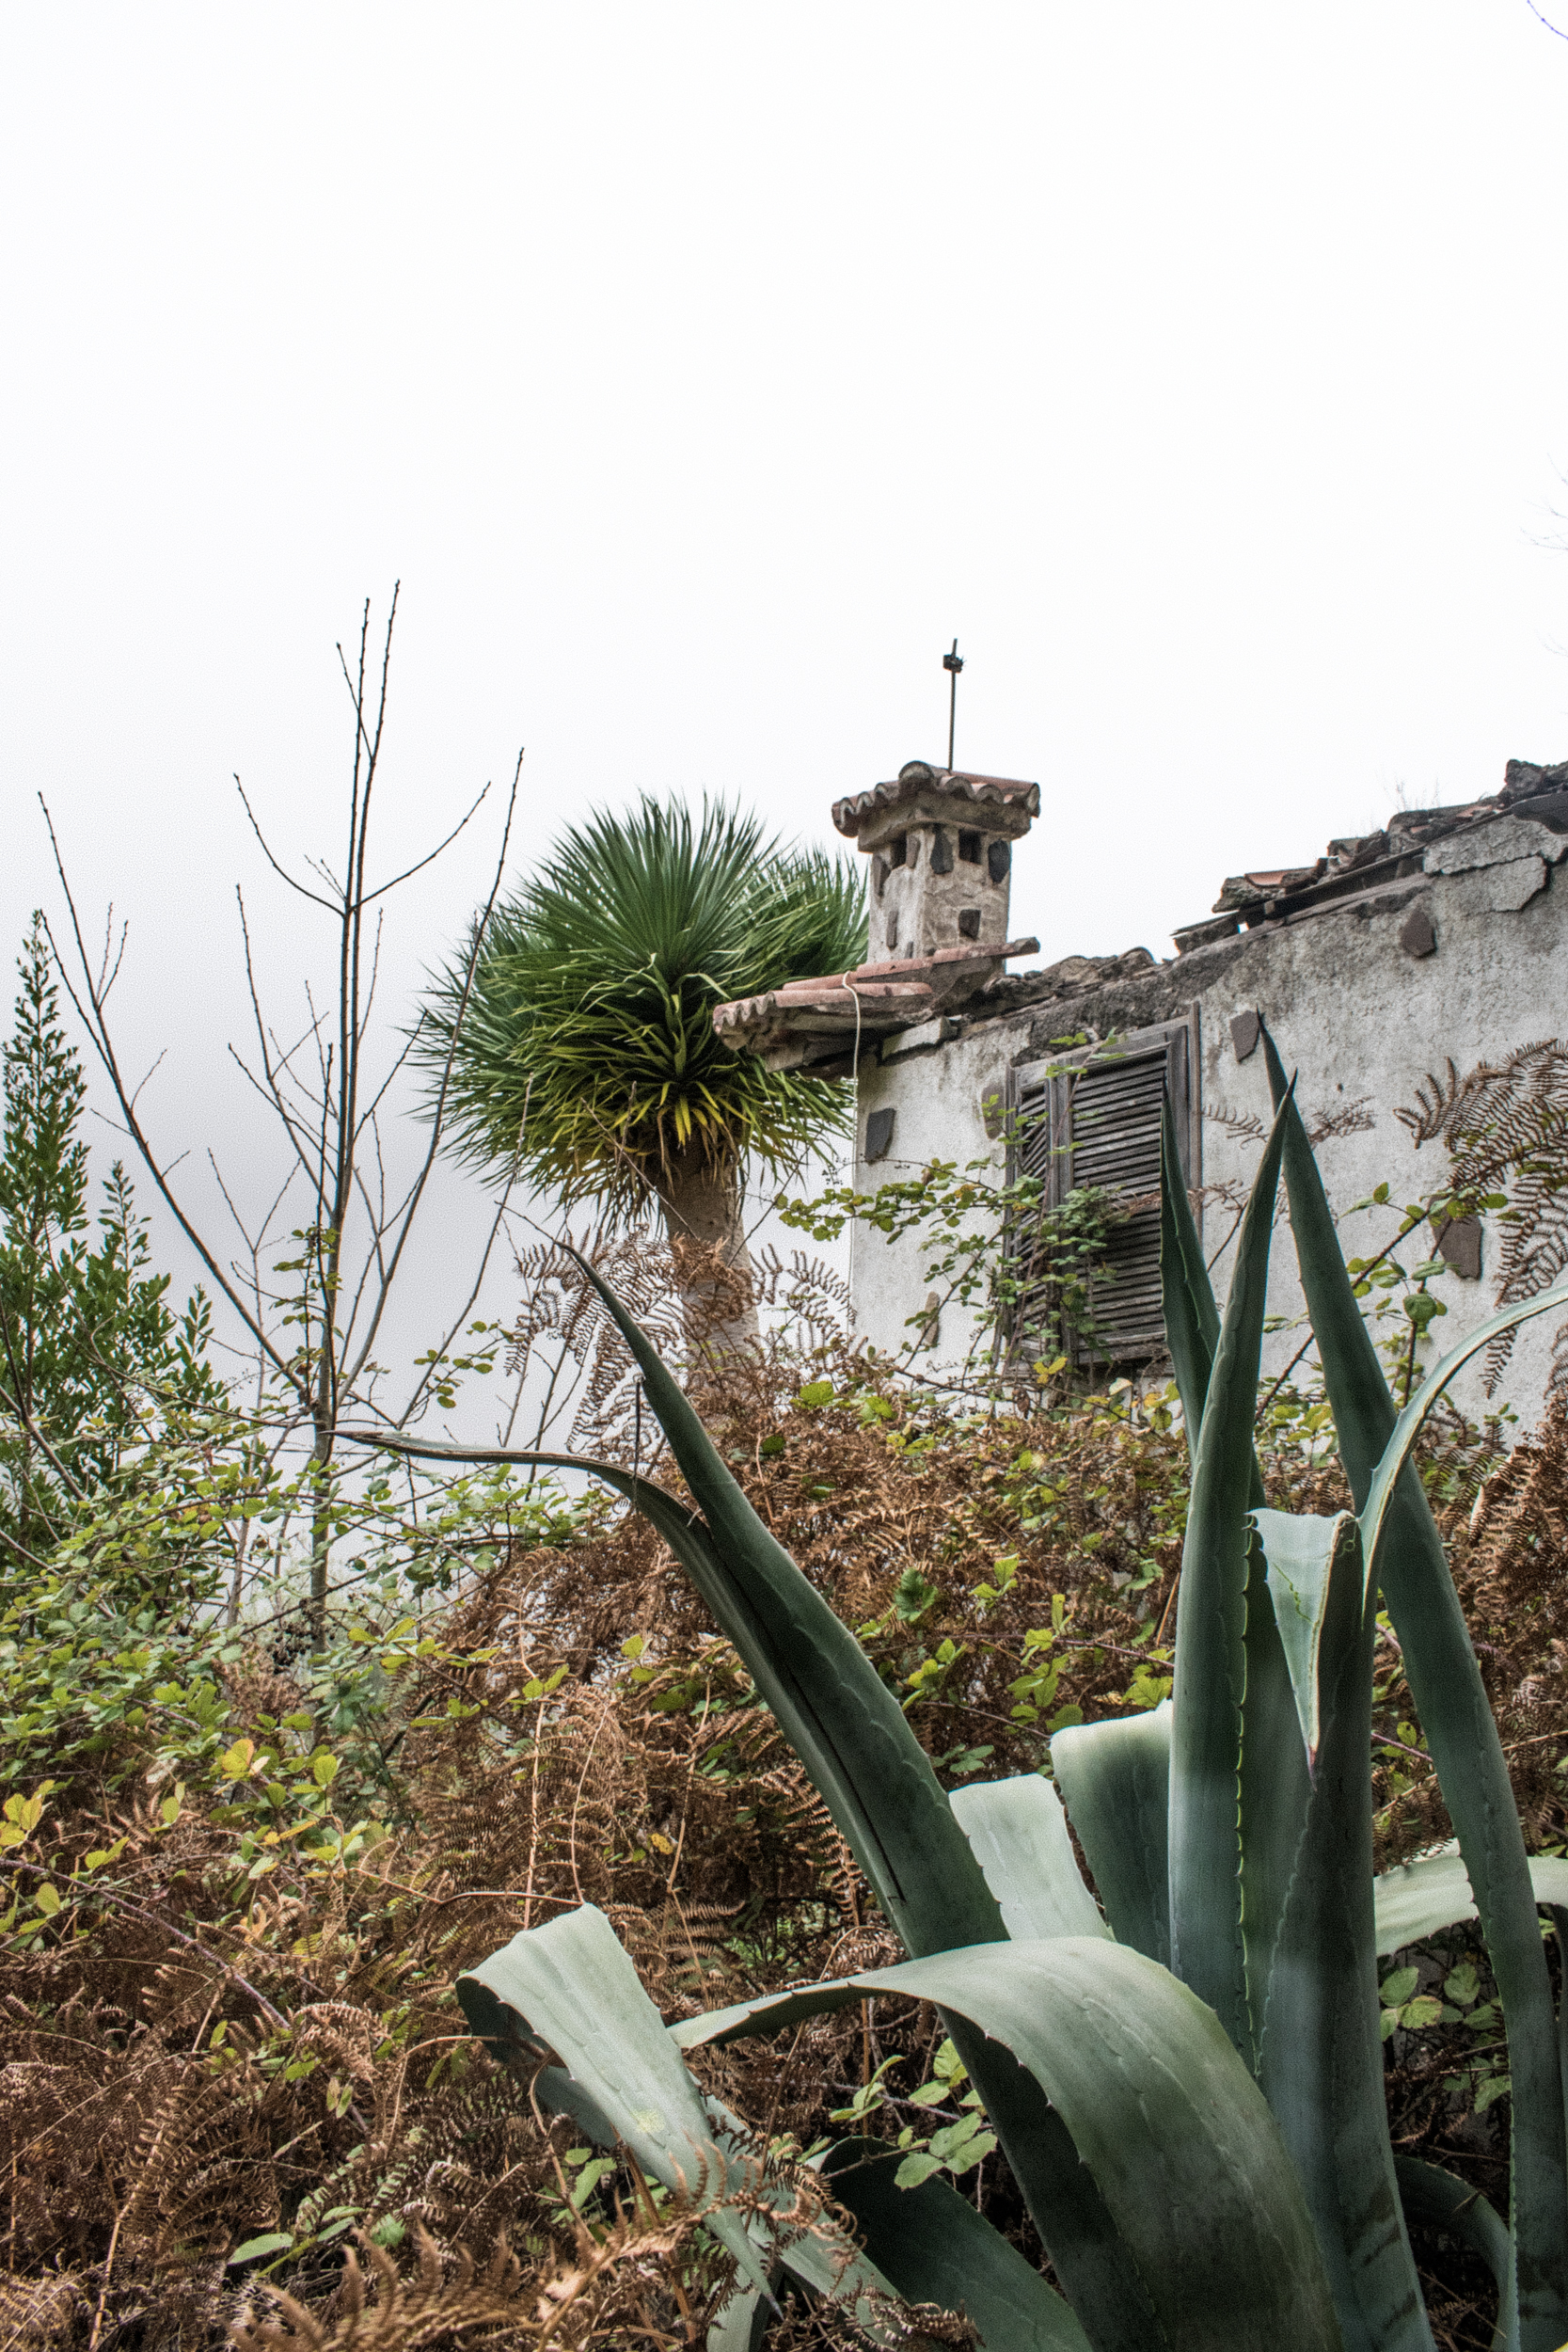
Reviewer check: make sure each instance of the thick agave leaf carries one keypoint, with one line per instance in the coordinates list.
(1019, 1834)
(1320, 2051)
(834, 1708)
(854, 1738)
(1206, 1796)
(742, 2324)
(937, 2249)
(1397, 1452)
(1460, 1733)
(1187, 1297)
(1419, 1898)
(1115, 1777)
(1087, 2251)
(1308, 1978)
(1163, 2112)
(1271, 1783)
(1302, 1555)
(1430, 2195)
(850, 1733)
(570, 1987)
(573, 1990)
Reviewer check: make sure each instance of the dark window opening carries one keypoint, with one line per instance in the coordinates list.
(899, 850)
(879, 1135)
(969, 922)
(999, 858)
(969, 845)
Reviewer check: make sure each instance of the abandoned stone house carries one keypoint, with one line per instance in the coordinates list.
(1415, 978)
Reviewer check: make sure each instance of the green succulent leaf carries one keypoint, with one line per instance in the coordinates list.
(1114, 1776)
(1313, 1983)
(1206, 1797)
(937, 2249)
(1435, 2197)
(742, 2323)
(1419, 1898)
(1271, 1785)
(569, 1988)
(853, 1737)
(1461, 1734)
(1401, 1441)
(832, 1706)
(1192, 1319)
(1019, 1834)
(1301, 1554)
(1161, 2111)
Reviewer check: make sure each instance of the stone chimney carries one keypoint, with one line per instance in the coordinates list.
(940, 845)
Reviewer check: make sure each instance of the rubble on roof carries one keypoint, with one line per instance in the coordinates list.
(1074, 975)
(1365, 862)
(820, 1021)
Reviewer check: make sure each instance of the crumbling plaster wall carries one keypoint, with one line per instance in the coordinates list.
(1362, 1021)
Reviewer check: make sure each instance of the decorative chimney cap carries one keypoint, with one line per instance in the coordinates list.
(1000, 797)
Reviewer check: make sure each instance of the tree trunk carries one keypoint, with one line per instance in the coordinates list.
(702, 1217)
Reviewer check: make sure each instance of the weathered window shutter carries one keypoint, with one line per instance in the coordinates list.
(1093, 1118)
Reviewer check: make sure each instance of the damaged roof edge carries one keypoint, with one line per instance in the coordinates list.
(814, 1023)
(1359, 861)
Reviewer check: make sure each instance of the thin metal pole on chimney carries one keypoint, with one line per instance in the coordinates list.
(952, 662)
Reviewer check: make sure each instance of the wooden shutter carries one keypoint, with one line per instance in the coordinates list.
(1094, 1119)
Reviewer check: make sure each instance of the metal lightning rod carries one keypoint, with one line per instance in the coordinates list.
(952, 662)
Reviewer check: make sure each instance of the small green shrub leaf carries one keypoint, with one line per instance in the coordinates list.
(275, 2242)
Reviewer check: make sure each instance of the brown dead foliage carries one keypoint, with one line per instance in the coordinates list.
(191, 2059)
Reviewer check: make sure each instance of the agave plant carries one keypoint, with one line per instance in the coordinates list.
(1186, 2073)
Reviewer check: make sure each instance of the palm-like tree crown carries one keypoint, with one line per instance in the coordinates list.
(587, 1054)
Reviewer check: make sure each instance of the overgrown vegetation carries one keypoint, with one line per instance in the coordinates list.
(246, 1854)
(240, 1910)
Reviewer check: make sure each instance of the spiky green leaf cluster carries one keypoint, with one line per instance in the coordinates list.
(586, 1053)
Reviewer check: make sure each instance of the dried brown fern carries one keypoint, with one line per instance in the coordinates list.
(1506, 1128)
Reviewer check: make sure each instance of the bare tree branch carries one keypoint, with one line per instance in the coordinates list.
(91, 1016)
(280, 872)
(438, 1116)
(409, 871)
(330, 1117)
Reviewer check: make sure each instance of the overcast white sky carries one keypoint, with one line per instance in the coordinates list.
(701, 371)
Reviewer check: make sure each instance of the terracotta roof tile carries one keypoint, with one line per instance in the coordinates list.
(917, 780)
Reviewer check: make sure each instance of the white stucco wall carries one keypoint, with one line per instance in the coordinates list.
(934, 1091)
(1360, 1019)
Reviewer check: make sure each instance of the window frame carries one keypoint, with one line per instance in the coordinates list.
(1051, 1084)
